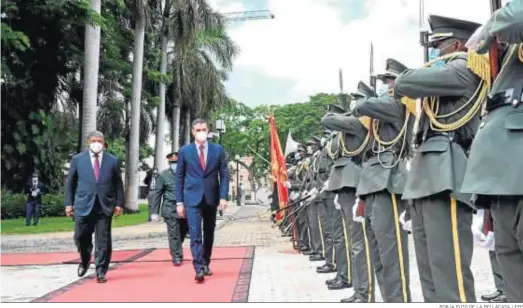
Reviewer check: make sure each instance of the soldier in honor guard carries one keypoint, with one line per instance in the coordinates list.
(339, 224)
(314, 206)
(494, 171)
(382, 182)
(353, 143)
(326, 207)
(165, 198)
(296, 180)
(450, 89)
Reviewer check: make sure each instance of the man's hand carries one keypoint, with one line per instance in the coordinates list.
(223, 205)
(117, 211)
(69, 211)
(180, 209)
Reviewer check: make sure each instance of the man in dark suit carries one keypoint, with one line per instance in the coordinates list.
(202, 183)
(93, 193)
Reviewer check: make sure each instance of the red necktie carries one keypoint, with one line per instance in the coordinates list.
(96, 167)
(202, 157)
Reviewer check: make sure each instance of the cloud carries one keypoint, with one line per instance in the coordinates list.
(310, 40)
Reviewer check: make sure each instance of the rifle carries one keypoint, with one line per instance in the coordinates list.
(495, 49)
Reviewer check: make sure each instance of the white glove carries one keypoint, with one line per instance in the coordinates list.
(355, 211)
(336, 204)
(34, 193)
(294, 195)
(490, 243)
(477, 228)
(288, 184)
(407, 225)
(155, 217)
(312, 192)
(325, 185)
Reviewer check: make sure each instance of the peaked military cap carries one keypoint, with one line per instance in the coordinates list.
(171, 155)
(335, 108)
(393, 68)
(314, 140)
(363, 90)
(445, 27)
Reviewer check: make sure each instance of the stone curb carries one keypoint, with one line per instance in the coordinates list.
(19, 245)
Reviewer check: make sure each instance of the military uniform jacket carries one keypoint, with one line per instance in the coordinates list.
(378, 174)
(495, 165)
(164, 193)
(345, 171)
(440, 160)
(322, 170)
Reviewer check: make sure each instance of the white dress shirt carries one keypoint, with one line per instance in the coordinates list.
(205, 150)
(100, 155)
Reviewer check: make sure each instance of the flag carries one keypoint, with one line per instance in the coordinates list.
(278, 169)
(290, 146)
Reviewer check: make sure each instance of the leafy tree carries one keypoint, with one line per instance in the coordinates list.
(248, 130)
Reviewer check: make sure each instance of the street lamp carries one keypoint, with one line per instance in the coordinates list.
(238, 200)
(220, 127)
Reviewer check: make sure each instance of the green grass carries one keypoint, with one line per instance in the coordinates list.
(64, 224)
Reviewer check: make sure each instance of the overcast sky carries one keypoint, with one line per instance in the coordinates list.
(299, 53)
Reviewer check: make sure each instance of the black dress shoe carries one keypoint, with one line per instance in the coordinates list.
(316, 258)
(307, 252)
(207, 271)
(82, 269)
(350, 299)
(489, 297)
(200, 277)
(177, 262)
(338, 285)
(502, 298)
(304, 248)
(100, 278)
(325, 268)
(331, 281)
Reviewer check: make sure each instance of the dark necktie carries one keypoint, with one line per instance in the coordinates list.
(202, 157)
(96, 167)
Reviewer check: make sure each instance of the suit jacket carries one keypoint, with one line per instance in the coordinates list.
(82, 189)
(193, 184)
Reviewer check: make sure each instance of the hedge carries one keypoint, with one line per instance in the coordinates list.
(13, 205)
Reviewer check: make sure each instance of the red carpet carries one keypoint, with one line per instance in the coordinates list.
(50, 258)
(151, 277)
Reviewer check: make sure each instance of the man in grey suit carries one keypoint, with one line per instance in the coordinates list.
(93, 193)
(494, 170)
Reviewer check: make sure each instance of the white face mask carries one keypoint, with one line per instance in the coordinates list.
(201, 136)
(323, 141)
(383, 89)
(173, 167)
(96, 147)
(309, 150)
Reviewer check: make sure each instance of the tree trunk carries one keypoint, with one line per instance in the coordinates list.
(131, 196)
(91, 66)
(160, 116)
(187, 126)
(175, 136)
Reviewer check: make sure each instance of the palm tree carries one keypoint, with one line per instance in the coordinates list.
(131, 196)
(196, 78)
(91, 66)
(160, 117)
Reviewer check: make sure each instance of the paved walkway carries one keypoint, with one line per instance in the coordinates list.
(279, 274)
